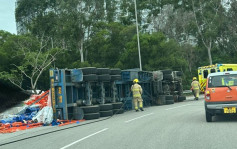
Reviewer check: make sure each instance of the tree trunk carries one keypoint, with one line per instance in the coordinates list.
(209, 52)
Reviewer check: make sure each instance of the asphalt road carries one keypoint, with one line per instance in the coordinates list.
(178, 126)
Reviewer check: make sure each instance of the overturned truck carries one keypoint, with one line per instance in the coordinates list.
(90, 93)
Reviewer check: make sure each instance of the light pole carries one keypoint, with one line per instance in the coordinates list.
(138, 41)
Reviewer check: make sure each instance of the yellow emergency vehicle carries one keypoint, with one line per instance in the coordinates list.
(205, 70)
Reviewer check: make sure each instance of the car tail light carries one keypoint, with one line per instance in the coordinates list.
(208, 95)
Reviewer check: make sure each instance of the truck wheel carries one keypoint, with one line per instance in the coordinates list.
(166, 71)
(168, 102)
(208, 117)
(161, 100)
(106, 113)
(106, 107)
(78, 113)
(169, 97)
(90, 109)
(115, 77)
(89, 70)
(176, 98)
(177, 78)
(91, 116)
(179, 73)
(117, 105)
(115, 71)
(167, 77)
(182, 98)
(90, 77)
(105, 77)
(101, 71)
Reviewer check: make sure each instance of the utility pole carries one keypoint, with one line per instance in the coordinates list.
(138, 41)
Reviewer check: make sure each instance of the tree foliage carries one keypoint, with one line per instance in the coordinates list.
(174, 34)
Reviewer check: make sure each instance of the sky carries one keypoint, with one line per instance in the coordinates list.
(7, 16)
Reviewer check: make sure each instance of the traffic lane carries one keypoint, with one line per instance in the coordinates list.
(60, 138)
(118, 131)
(124, 135)
(115, 120)
(190, 130)
(183, 128)
(154, 131)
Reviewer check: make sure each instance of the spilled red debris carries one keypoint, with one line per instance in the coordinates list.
(42, 102)
(24, 121)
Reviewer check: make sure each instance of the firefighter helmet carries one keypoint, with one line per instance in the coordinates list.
(194, 78)
(135, 81)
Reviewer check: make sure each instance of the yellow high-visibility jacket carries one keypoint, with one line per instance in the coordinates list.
(136, 90)
(195, 85)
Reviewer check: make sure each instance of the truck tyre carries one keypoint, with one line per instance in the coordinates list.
(118, 111)
(208, 117)
(176, 98)
(181, 98)
(105, 77)
(168, 77)
(117, 105)
(101, 71)
(90, 109)
(106, 107)
(177, 79)
(106, 113)
(161, 100)
(90, 77)
(115, 71)
(168, 102)
(78, 113)
(91, 116)
(169, 97)
(179, 73)
(166, 71)
(89, 70)
(115, 77)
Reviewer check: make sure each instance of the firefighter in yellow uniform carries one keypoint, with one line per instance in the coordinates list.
(137, 95)
(195, 87)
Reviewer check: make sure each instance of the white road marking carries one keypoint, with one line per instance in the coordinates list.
(178, 107)
(84, 138)
(138, 117)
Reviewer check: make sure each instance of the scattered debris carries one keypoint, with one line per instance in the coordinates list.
(36, 112)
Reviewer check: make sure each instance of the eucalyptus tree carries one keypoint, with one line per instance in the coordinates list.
(27, 59)
(208, 19)
(227, 41)
(232, 25)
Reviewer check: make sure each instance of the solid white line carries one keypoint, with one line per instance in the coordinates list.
(84, 138)
(178, 107)
(138, 117)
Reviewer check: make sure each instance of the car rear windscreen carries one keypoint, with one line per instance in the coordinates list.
(222, 80)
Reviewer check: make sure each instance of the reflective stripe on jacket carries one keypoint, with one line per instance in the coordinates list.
(136, 90)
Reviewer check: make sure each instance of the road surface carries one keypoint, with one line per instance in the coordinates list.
(177, 126)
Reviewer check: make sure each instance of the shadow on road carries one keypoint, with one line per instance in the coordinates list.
(225, 118)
